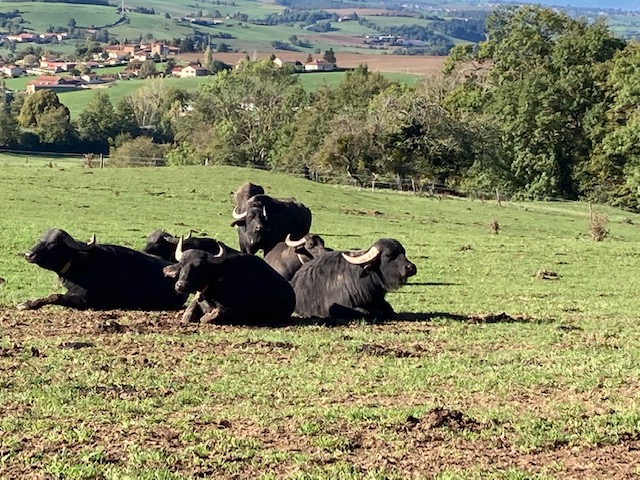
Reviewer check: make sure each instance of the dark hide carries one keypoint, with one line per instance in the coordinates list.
(329, 286)
(163, 245)
(287, 260)
(103, 277)
(244, 193)
(235, 289)
(257, 232)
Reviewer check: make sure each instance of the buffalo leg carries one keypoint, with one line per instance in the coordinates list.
(193, 312)
(220, 315)
(54, 299)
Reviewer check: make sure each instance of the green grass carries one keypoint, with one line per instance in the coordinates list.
(551, 385)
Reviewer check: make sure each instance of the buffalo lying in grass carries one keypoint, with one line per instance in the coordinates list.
(352, 285)
(163, 245)
(102, 277)
(237, 289)
(287, 257)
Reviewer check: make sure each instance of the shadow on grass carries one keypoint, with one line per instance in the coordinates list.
(417, 317)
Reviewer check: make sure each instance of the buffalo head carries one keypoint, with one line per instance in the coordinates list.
(308, 247)
(57, 250)
(192, 269)
(254, 219)
(162, 244)
(389, 257)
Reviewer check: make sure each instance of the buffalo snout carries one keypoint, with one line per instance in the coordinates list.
(410, 270)
(182, 287)
(30, 257)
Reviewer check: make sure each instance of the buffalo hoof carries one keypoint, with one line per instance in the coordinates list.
(24, 306)
(211, 317)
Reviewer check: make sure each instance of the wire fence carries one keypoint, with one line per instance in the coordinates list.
(361, 181)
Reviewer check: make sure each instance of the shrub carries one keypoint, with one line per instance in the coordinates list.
(598, 226)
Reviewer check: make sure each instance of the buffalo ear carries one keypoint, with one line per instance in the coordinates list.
(171, 271)
(238, 223)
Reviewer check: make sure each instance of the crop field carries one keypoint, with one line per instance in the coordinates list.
(514, 355)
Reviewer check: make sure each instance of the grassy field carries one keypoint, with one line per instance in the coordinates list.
(489, 371)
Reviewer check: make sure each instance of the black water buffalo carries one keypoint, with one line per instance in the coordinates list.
(352, 285)
(163, 245)
(102, 277)
(266, 221)
(287, 257)
(238, 289)
(244, 193)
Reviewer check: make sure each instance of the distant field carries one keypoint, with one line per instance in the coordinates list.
(418, 65)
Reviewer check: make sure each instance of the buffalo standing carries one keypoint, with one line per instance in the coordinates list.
(102, 277)
(266, 221)
(349, 285)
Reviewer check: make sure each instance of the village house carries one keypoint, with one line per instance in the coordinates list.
(56, 66)
(22, 37)
(11, 71)
(90, 77)
(54, 83)
(192, 71)
(295, 64)
(120, 52)
(48, 37)
(163, 50)
(319, 66)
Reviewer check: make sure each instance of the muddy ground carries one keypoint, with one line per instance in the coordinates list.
(441, 440)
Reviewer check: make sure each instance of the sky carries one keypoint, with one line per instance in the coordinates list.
(621, 4)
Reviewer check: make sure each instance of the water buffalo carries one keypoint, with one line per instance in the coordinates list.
(244, 193)
(163, 245)
(266, 221)
(102, 277)
(352, 285)
(237, 289)
(287, 257)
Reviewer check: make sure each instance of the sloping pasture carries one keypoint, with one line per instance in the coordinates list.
(491, 370)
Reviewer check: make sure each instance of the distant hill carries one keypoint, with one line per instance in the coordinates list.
(599, 4)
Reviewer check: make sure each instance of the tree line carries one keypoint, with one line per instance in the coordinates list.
(547, 106)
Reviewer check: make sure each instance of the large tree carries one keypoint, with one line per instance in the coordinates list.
(242, 112)
(98, 122)
(43, 113)
(538, 75)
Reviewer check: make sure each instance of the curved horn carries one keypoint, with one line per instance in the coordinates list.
(264, 212)
(238, 216)
(179, 248)
(189, 236)
(222, 251)
(86, 246)
(366, 257)
(294, 243)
